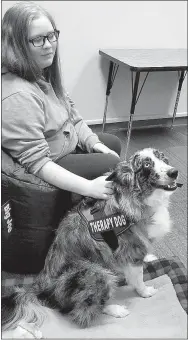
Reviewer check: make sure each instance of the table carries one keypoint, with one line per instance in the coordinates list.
(143, 60)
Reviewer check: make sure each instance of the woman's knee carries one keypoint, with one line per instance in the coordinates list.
(109, 162)
(111, 141)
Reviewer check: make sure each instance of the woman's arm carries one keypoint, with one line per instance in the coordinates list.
(86, 137)
(23, 125)
(22, 135)
(66, 180)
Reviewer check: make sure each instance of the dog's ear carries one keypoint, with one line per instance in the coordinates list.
(124, 174)
(136, 161)
(111, 177)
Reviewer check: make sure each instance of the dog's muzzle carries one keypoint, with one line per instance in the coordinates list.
(173, 173)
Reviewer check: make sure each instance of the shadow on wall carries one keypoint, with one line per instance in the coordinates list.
(156, 100)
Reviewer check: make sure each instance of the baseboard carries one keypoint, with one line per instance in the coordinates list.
(136, 118)
(139, 124)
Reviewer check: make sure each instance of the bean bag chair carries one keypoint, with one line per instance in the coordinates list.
(31, 211)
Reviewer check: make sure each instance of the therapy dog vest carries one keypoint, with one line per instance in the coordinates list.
(103, 227)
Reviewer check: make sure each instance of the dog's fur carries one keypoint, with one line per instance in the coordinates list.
(81, 274)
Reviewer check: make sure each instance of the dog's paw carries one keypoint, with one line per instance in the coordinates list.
(147, 291)
(116, 310)
(150, 258)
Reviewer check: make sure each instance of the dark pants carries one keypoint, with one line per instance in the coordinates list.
(92, 165)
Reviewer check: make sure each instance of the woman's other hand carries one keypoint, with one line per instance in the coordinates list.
(99, 147)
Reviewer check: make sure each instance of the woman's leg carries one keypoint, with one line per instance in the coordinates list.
(89, 165)
(93, 165)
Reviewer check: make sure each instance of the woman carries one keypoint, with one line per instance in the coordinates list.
(41, 128)
(44, 133)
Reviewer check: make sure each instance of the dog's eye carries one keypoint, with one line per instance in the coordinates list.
(147, 165)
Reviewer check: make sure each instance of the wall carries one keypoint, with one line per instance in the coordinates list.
(87, 26)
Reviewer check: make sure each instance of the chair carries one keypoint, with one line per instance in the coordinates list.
(31, 211)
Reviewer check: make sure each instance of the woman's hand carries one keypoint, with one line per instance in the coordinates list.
(100, 188)
(99, 147)
(66, 180)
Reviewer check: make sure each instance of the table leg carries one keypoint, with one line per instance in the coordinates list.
(181, 79)
(133, 104)
(111, 77)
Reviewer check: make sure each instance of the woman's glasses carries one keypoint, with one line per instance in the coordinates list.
(40, 40)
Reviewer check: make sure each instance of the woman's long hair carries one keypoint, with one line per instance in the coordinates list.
(15, 46)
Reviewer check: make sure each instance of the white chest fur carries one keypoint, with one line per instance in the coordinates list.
(161, 223)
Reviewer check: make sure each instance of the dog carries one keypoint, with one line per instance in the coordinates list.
(100, 241)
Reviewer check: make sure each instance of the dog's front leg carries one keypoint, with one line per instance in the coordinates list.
(134, 277)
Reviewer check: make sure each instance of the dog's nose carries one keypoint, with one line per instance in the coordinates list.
(172, 173)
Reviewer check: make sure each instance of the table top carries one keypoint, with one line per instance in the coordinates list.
(148, 59)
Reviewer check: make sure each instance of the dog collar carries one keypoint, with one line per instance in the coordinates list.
(104, 227)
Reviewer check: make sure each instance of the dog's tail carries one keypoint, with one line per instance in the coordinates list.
(85, 290)
(21, 305)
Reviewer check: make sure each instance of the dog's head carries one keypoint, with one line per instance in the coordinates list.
(146, 171)
(153, 171)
